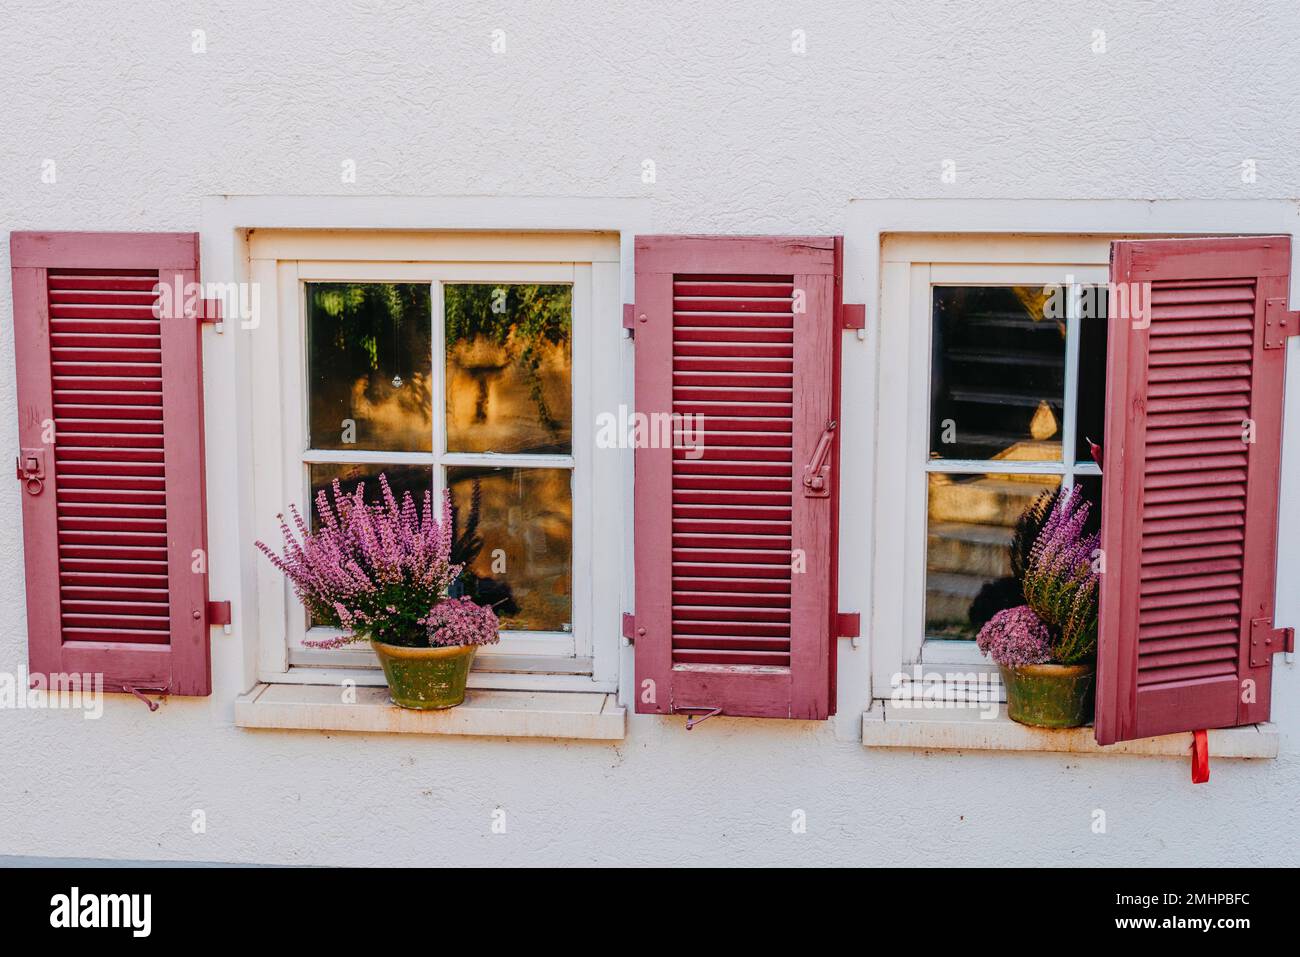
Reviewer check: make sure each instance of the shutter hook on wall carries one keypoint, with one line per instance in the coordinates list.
(153, 705)
(693, 719)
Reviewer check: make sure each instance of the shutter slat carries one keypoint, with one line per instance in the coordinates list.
(100, 514)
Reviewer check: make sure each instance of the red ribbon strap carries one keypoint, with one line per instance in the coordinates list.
(1200, 757)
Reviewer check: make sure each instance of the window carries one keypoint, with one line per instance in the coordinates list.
(463, 368)
(506, 389)
(1016, 398)
(992, 367)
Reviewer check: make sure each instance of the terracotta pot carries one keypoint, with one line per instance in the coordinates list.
(1050, 696)
(426, 679)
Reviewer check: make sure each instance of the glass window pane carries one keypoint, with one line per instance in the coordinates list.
(1090, 486)
(972, 525)
(1092, 371)
(416, 479)
(509, 384)
(997, 382)
(514, 532)
(369, 366)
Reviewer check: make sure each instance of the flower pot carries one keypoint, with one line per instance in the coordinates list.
(426, 679)
(1050, 696)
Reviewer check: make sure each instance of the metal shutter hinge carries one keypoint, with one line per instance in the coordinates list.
(1279, 323)
(219, 614)
(630, 318)
(848, 624)
(31, 470)
(630, 630)
(210, 311)
(853, 316)
(1265, 640)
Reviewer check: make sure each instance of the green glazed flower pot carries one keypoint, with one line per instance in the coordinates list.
(426, 679)
(1050, 696)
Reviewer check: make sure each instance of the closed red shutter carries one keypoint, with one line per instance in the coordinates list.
(1190, 485)
(111, 459)
(735, 336)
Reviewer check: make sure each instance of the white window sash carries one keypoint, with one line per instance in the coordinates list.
(903, 427)
(587, 653)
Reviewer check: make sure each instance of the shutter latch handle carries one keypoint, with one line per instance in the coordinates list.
(817, 473)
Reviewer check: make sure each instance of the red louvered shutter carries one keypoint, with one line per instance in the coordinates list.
(734, 559)
(1190, 485)
(110, 416)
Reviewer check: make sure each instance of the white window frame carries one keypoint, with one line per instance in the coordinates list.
(871, 502)
(912, 266)
(283, 262)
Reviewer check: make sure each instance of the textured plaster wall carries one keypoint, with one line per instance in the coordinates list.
(745, 136)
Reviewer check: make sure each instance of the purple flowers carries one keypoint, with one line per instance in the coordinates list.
(1058, 623)
(458, 621)
(377, 570)
(1061, 585)
(1015, 637)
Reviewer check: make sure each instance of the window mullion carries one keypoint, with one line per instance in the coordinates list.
(1071, 417)
(439, 390)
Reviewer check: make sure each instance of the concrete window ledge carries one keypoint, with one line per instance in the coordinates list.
(887, 725)
(515, 714)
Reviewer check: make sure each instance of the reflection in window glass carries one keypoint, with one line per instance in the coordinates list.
(514, 532)
(969, 555)
(509, 384)
(1092, 372)
(416, 479)
(369, 366)
(997, 374)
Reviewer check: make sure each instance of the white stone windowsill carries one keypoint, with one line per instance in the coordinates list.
(515, 714)
(887, 725)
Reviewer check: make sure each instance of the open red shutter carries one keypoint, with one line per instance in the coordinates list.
(1190, 484)
(734, 557)
(111, 458)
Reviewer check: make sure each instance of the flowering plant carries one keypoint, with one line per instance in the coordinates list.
(1061, 584)
(1015, 637)
(1058, 623)
(380, 571)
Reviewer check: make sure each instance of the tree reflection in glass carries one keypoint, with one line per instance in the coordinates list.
(523, 564)
(509, 358)
(370, 366)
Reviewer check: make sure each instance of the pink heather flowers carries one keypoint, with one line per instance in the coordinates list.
(1015, 637)
(1061, 588)
(458, 621)
(379, 571)
(1060, 583)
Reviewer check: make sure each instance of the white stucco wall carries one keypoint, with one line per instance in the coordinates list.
(745, 137)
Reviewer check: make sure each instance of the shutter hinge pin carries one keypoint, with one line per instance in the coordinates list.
(210, 311)
(854, 316)
(848, 624)
(219, 614)
(630, 319)
(629, 628)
